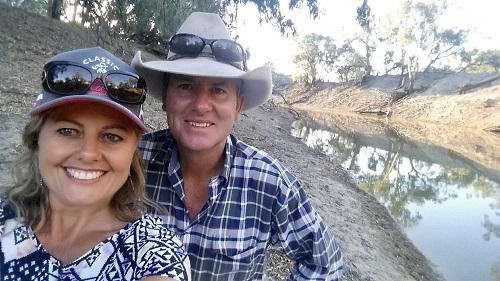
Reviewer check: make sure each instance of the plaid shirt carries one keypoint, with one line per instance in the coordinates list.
(254, 201)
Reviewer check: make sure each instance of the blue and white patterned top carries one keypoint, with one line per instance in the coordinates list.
(254, 202)
(142, 248)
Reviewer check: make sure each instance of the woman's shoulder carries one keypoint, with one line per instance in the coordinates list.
(148, 229)
(6, 212)
(157, 250)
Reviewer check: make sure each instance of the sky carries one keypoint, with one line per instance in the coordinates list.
(337, 17)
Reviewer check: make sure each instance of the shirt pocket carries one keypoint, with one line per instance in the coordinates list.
(238, 249)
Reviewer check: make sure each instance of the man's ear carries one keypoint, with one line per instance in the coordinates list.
(239, 106)
(163, 103)
(166, 79)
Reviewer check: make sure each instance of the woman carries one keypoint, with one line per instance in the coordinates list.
(77, 207)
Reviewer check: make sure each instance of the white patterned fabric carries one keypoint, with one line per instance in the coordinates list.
(142, 248)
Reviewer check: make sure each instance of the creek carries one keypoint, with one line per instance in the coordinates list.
(442, 191)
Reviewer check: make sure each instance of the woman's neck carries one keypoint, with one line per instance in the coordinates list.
(69, 235)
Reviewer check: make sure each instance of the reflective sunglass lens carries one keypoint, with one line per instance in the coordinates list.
(125, 88)
(227, 50)
(186, 44)
(66, 79)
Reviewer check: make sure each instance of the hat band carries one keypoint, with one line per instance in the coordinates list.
(223, 50)
(207, 55)
(66, 79)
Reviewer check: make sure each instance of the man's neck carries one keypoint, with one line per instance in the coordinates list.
(197, 170)
(202, 163)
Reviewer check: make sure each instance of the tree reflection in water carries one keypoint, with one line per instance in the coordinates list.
(394, 175)
(401, 173)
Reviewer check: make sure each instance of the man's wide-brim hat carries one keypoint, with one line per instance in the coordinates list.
(257, 83)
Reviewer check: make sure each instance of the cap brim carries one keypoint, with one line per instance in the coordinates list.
(58, 100)
(257, 86)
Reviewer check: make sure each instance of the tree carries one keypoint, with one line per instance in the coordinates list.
(270, 11)
(55, 9)
(316, 52)
(420, 39)
(481, 61)
(32, 5)
(353, 68)
(365, 20)
(154, 21)
(279, 78)
(448, 43)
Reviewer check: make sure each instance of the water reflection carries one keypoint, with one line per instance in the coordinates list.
(448, 205)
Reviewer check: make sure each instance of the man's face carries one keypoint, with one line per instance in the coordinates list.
(201, 111)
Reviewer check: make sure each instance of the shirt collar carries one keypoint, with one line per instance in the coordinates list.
(164, 154)
(168, 153)
(228, 157)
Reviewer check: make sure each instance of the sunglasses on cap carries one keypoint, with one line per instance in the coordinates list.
(224, 50)
(68, 78)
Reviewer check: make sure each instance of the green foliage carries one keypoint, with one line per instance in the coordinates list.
(365, 20)
(148, 22)
(422, 43)
(363, 16)
(316, 52)
(152, 22)
(36, 6)
(279, 78)
(495, 272)
(389, 62)
(270, 11)
(352, 64)
(477, 61)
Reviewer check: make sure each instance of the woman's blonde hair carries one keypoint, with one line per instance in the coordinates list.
(29, 197)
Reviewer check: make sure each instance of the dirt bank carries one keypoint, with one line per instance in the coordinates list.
(374, 246)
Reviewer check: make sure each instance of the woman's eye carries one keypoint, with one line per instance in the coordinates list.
(67, 132)
(112, 138)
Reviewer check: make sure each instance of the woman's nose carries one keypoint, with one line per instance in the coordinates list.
(90, 149)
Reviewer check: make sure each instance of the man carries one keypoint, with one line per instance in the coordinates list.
(228, 201)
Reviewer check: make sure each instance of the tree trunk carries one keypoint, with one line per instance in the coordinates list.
(75, 9)
(56, 10)
(402, 75)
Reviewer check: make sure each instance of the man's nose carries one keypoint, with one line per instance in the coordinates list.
(202, 100)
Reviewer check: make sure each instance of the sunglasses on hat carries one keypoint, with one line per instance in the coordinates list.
(223, 50)
(68, 78)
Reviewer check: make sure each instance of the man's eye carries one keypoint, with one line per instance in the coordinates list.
(112, 138)
(219, 91)
(185, 86)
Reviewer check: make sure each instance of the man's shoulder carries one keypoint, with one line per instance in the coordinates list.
(153, 142)
(157, 136)
(256, 162)
(252, 153)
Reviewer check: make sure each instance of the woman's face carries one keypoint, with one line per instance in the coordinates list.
(85, 153)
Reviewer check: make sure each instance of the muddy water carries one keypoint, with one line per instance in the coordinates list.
(442, 185)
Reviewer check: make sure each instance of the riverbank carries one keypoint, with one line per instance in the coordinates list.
(374, 246)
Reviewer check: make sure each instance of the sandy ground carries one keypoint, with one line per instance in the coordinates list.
(374, 246)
